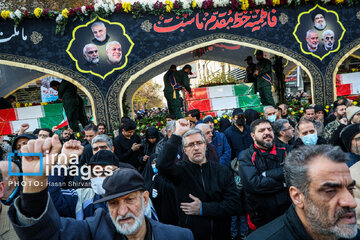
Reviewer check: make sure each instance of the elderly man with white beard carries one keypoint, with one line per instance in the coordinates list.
(319, 21)
(33, 214)
(91, 53)
(312, 39)
(321, 189)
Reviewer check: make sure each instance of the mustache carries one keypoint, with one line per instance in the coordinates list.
(128, 215)
(342, 212)
(268, 135)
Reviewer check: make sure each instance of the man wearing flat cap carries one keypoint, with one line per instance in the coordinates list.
(34, 216)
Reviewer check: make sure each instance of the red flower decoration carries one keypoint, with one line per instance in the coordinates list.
(71, 12)
(118, 7)
(251, 4)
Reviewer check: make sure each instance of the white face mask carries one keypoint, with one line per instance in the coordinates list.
(96, 185)
(272, 118)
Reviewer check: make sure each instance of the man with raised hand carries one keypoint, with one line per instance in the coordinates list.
(205, 190)
(33, 214)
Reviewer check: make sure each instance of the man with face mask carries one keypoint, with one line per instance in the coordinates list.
(238, 135)
(262, 176)
(307, 134)
(270, 113)
(6, 229)
(11, 183)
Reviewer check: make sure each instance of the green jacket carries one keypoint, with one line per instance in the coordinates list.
(264, 67)
(181, 78)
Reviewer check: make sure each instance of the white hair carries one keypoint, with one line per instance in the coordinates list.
(97, 24)
(266, 108)
(327, 32)
(310, 31)
(87, 46)
(112, 43)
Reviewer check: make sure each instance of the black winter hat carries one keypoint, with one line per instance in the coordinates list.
(348, 133)
(319, 108)
(25, 135)
(238, 111)
(152, 132)
(103, 158)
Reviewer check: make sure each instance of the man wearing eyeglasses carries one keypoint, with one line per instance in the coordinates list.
(328, 38)
(205, 190)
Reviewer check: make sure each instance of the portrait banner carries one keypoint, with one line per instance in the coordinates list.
(100, 47)
(319, 32)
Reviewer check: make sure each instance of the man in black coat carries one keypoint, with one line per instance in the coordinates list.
(321, 189)
(127, 144)
(205, 190)
(261, 173)
(238, 135)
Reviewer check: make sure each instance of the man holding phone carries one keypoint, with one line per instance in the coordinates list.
(127, 144)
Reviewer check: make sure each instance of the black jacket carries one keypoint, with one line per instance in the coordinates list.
(281, 144)
(266, 196)
(211, 182)
(285, 227)
(122, 149)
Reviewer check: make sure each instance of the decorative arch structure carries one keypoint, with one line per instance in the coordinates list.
(333, 67)
(153, 41)
(116, 92)
(88, 87)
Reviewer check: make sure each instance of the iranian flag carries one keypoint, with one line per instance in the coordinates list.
(216, 100)
(348, 84)
(45, 116)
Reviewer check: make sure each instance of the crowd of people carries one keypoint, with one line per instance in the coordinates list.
(255, 177)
